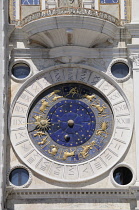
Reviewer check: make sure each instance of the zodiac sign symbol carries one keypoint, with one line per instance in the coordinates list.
(44, 140)
(39, 133)
(73, 91)
(68, 154)
(44, 105)
(54, 150)
(41, 122)
(86, 149)
(104, 126)
(54, 92)
(89, 97)
(56, 98)
(99, 107)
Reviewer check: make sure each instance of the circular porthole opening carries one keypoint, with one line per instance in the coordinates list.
(19, 176)
(122, 175)
(120, 70)
(20, 70)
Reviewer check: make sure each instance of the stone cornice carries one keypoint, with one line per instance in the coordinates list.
(71, 193)
(133, 28)
(63, 51)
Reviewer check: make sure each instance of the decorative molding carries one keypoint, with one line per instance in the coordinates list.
(72, 193)
(127, 11)
(63, 51)
(67, 11)
(12, 9)
(135, 59)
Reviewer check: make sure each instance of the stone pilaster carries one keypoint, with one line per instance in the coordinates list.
(135, 10)
(3, 114)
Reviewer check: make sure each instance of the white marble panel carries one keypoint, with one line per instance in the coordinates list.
(70, 74)
(19, 136)
(20, 109)
(117, 146)
(95, 79)
(43, 165)
(83, 75)
(23, 148)
(25, 98)
(115, 97)
(121, 109)
(56, 171)
(122, 134)
(85, 170)
(34, 88)
(108, 157)
(106, 88)
(123, 121)
(98, 166)
(57, 75)
(18, 122)
(45, 81)
(33, 158)
(71, 172)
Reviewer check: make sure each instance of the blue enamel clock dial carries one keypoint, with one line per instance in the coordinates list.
(70, 123)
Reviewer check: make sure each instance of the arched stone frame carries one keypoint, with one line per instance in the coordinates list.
(68, 73)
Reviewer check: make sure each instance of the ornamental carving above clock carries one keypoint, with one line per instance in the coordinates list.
(70, 124)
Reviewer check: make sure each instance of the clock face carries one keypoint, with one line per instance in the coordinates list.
(70, 123)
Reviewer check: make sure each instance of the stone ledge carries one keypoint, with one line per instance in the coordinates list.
(70, 193)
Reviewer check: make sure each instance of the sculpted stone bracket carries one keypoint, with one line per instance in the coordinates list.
(135, 60)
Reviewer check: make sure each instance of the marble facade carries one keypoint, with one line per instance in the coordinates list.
(64, 45)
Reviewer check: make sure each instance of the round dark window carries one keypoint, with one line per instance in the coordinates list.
(19, 176)
(122, 175)
(20, 71)
(120, 70)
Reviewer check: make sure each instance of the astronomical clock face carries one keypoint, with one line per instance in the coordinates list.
(70, 125)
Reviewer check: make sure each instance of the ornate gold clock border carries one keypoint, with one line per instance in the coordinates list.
(70, 172)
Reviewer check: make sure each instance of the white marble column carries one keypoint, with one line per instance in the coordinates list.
(88, 4)
(135, 11)
(17, 9)
(96, 4)
(51, 4)
(43, 7)
(122, 10)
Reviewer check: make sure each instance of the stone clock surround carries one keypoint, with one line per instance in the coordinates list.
(108, 157)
